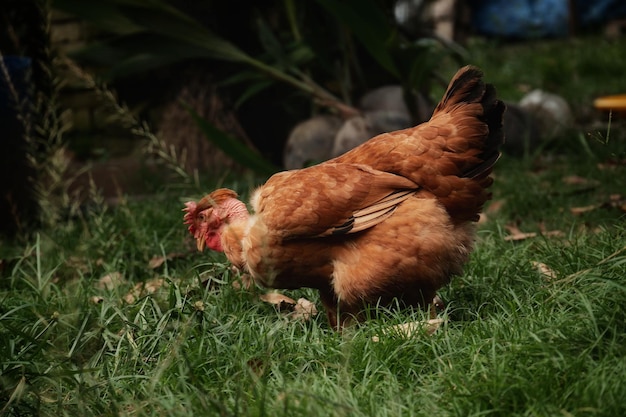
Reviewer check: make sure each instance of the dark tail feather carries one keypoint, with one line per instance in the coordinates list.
(493, 109)
(467, 86)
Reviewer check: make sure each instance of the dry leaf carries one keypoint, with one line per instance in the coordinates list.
(411, 328)
(304, 309)
(280, 301)
(577, 211)
(96, 299)
(110, 281)
(545, 270)
(157, 261)
(517, 235)
(143, 288)
(153, 285)
(512, 228)
(129, 298)
(617, 201)
(495, 206)
(576, 180)
(614, 201)
(612, 164)
(81, 264)
(520, 236)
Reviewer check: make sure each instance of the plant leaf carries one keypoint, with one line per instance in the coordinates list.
(231, 146)
(367, 22)
(252, 90)
(103, 14)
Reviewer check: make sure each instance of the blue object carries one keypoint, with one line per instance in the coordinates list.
(521, 18)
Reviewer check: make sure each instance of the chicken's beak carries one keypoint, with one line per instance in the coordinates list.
(200, 242)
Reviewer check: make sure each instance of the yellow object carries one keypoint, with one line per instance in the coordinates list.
(615, 103)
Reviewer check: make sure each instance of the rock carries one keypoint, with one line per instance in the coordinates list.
(390, 98)
(311, 141)
(323, 137)
(521, 131)
(359, 129)
(352, 133)
(552, 113)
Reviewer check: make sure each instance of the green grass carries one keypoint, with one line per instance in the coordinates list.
(514, 343)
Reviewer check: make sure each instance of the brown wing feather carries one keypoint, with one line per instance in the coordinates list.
(452, 154)
(327, 198)
(371, 215)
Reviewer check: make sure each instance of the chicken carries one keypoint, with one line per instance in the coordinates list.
(387, 223)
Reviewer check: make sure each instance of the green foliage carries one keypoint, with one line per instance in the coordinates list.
(370, 25)
(153, 34)
(514, 342)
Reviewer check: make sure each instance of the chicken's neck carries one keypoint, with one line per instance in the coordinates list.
(235, 210)
(233, 231)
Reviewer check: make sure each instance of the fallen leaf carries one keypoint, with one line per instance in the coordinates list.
(143, 288)
(512, 228)
(516, 234)
(495, 206)
(553, 233)
(612, 164)
(151, 286)
(617, 201)
(81, 264)
(96, 299)
(409, 329)
(157, 261)
(544, 270)
(520, 236)
(129, 298)
(304, 309)
(280, 301)
(576, 180)
(110, 281)
(577, 211)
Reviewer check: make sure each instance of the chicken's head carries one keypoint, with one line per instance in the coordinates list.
(210, 215)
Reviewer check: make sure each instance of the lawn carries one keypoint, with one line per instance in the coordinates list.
(112, 312)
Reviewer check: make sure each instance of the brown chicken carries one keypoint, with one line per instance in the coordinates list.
(392, 219)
